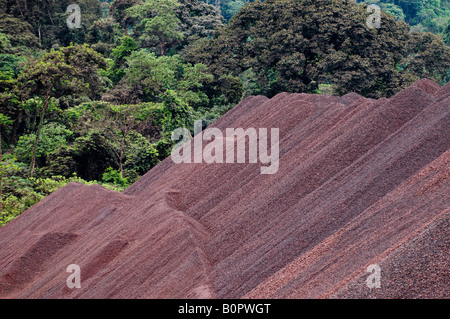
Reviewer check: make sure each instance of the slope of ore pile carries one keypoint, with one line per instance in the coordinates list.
(360, 182)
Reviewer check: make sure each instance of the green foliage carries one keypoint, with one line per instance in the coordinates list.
(121, 126)
(118, 11)
(423, 15)
(228, 90)
(166, 26)
(104, 34)
(5, 120)
(71, 70)
(228, 8)
(176, 114)
(88, 156)
(67, 71)
(16, 193)
(210, 115)
(389, 6)
(9, 63)
(157, 75)
(295, 46)
(446, 35)
(430, 58)
(20, 192)
(113, 176)
(53, 137)
(5, 45)
(18, 31)
(117, 69)
(157, 24)
(198, 20)
(42, 23)
(140, 156)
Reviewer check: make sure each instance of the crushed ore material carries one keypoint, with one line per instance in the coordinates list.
(360, 182)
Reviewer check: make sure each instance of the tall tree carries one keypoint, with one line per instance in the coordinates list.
(46, 19)
(157, 24)
(5, 121)
(429, 57)
(117, 123)
(295, 46)
(70, 70)
(197, 20)
(117, 69)
(118, 11)
(158, 75)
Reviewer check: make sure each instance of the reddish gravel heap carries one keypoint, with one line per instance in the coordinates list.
(360, 182)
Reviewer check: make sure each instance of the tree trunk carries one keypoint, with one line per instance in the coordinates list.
(18, 8)
(38, 133)
(33, 159)
(1, 154)
(39, 32)
(121, 156)
(50, 16)
(120, 166)
(1, 176)
(14, 138)
(1, 192)
(33, 127)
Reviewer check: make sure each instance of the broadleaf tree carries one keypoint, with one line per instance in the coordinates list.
(69, 71)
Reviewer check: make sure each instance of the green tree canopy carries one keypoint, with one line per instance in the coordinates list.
(121, 125)
(197, 20)
(117, 69)
(295, 46)
(157, 75)
(42, 23)
(69, 71)
(423, 15)
(157, 24)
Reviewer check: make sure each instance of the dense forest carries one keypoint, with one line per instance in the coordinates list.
(422, 15)
(91, 93)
